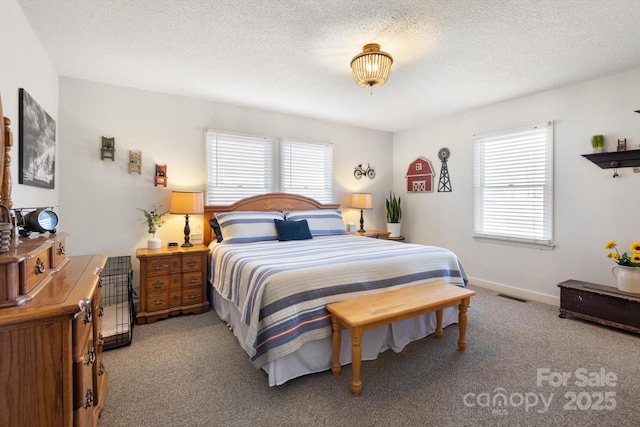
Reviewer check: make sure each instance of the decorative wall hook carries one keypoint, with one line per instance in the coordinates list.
(135, 161)
(359, 172)
(161, 175)
(108, 149)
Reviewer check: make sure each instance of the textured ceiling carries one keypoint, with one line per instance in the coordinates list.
(293, 56)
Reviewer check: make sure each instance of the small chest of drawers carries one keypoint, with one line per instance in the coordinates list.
(172, 281)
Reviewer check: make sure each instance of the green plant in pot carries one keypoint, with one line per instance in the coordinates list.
(597, 142)
(394, 215)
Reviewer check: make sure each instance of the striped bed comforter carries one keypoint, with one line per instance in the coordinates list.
(281, 288)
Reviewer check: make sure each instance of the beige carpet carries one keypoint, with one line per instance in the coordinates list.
(190, 371)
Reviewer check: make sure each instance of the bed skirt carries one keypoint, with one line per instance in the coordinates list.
(315, 356)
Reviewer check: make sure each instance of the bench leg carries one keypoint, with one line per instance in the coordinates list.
(336, 339)
(356, 360)
(462, 323)
(439, 332)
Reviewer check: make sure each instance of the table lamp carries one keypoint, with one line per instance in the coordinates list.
(361, 201)
(186, 203)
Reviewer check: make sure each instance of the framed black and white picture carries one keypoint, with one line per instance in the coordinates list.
(37, 144)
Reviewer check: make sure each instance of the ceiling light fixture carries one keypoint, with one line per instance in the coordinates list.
(372, 67)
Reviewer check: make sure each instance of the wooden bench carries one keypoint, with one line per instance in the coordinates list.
(371, 311)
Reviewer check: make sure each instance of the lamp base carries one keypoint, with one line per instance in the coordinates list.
(362, 230)
(187, 231)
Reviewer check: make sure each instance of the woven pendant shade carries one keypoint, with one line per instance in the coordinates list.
(371, 68)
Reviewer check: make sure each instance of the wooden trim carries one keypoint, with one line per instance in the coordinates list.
(264, 203)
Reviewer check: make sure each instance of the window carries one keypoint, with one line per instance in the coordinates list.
(513, 185)
(240, 166)
(307, 169)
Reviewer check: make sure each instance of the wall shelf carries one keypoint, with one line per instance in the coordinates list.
(615, 159)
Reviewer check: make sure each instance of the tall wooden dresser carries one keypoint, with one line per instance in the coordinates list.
(51, 370)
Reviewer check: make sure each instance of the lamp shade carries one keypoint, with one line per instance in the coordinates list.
(186, 202)
(362, 200)
(371, 67)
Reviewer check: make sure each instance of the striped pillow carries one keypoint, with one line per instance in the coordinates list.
(322, 222)
(248, 226)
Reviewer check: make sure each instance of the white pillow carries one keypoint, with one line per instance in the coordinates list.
(322, 222)
(248, 226)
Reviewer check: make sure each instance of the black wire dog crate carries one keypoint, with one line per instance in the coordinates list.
(117, 301)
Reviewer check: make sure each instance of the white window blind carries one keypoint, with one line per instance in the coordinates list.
(238, 166)
(307, 169)
(513, 185)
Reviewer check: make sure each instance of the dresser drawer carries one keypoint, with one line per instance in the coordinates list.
(192, 279)
(158, 266)
(157, 301)
(37, 268)
(191, 263)
(176, 264)
(84, 397)
(82, 329)
(192, 295)
(157, 283)
(58, 253)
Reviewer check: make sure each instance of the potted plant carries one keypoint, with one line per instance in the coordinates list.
(597, 142)
(154, 220)
(627, 268)
(394, 215)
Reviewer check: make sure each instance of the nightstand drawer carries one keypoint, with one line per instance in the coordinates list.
(191, 263)
(192, 295)
(175, 297)
(192, 279)
(157, 283)
(158, 266)
(157, 301)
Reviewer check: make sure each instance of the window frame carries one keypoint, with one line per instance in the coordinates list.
(277, 181)
(501, 148)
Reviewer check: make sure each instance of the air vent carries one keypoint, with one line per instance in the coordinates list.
(512, 297)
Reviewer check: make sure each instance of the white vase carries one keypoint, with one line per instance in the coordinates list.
(394, 229)
(628, 278)
(153, 243)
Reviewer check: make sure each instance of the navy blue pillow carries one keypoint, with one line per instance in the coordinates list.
(292, 230)
(216, 229)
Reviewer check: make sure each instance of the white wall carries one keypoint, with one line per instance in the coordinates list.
(24, 64)
(99, 198)
(590, 206)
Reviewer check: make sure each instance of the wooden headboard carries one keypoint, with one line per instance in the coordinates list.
(264, 203)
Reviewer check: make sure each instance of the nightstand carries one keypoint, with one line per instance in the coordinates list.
(172, 281)
(398, 238)
(376, 234)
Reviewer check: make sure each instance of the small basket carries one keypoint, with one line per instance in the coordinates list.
(5, 229)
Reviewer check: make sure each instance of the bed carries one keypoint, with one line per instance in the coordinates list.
(277, 260)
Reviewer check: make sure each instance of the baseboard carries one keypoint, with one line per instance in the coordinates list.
(516, 292)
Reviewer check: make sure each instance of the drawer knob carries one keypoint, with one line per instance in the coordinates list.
(192, 279)
(158, 301)
(83, 304)
(88, 400)
(90, 358)
(192, 296)
(40, 267)
(100, 311)
(101, 369)
(100, 282)
(88, 315)
(157, 284)
(61, 250)
(100, 340)
(191, 263)
(157, 266)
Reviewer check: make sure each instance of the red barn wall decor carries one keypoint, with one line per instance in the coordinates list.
(420, 176)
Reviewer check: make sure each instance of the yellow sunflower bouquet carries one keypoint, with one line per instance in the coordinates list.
(627, 260)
